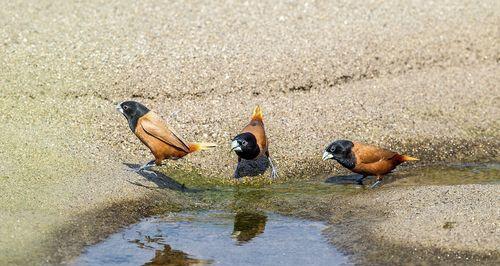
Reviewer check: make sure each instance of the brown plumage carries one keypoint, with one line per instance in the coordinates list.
(252, 142)
(153, 132)
(256, 128)
(364, 159)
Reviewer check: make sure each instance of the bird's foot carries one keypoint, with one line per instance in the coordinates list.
(274, 173)
(145, 168)
(150, 172)
(376, 184)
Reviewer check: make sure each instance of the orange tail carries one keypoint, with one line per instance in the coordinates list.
(406, 158)
(257, 113)
(199, 146)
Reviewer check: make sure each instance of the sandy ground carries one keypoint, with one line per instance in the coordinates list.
(441, 224)
(421, 78)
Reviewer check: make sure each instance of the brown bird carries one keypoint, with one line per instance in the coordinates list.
(363, 159)
(252, 142)
(153, 132)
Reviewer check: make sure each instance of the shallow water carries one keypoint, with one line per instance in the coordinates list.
(249, 237)
(453, 174)
(219, 238)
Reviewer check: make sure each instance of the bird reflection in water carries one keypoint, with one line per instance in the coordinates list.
(167, 255)
(248, 225)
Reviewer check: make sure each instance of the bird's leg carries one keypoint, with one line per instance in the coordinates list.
(145, 168)
(274, 171)
(360, 180)
(236, 174)
(376, 184)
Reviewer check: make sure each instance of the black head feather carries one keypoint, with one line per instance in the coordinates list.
(341, 151)
(248, 147)
(132, 111)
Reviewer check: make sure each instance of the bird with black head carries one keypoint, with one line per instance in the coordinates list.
(252, 143)
(154, 132)
(364, 159)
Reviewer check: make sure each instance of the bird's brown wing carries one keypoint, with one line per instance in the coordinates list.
(370, 154)
(156, 127)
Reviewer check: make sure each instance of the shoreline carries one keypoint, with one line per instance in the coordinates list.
(348, 224)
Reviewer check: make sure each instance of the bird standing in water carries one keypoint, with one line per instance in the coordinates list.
(153, 132)
(252, 142)
(364, 159)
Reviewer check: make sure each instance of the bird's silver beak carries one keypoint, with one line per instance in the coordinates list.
(119, 108)
(235, 146)
(327, 155)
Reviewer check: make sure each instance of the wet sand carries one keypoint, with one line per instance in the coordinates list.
(421, 79)
(436, 224)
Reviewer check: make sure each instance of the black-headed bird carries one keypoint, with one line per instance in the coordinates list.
(154, 132)
(252, 142)
(364, 159)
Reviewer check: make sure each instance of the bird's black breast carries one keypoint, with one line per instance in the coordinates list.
(249, 154)
(132, 123)
(348, 162)
(135, 120)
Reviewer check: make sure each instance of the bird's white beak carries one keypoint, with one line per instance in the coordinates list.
(235, 146)
(119, 108)
(327, 155)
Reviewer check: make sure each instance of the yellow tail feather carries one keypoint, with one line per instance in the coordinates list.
(200, 146)
(409, 158)
(257, 113)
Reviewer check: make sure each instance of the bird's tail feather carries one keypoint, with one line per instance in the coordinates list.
(257, 113)
(406, 158)
(200, 146)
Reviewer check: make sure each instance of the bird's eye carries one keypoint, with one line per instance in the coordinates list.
(125, 107)
(244, 143)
